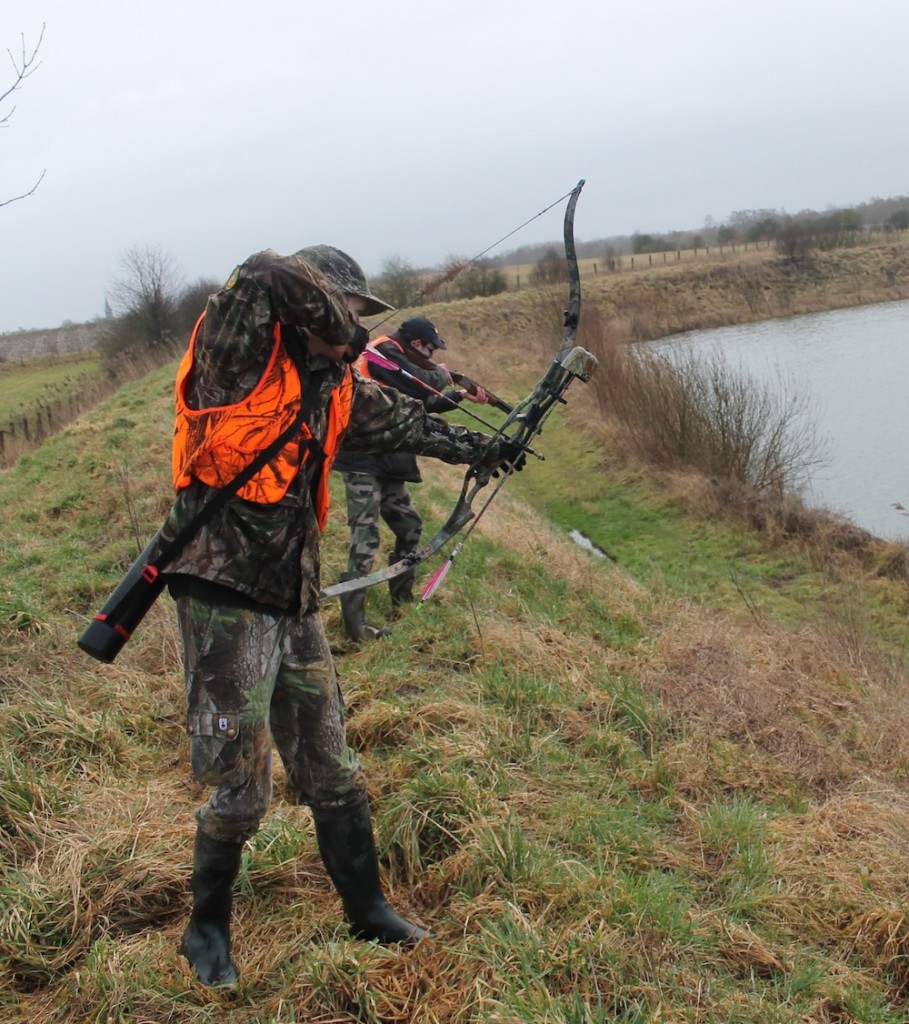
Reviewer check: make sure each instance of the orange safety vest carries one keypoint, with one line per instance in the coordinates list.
(213, 445)
(364, 365)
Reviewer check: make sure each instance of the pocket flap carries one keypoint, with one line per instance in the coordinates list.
(223, 724)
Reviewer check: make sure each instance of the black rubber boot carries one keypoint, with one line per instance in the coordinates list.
(400, 587)
(353, 612)
(349, 853)
(206, 941)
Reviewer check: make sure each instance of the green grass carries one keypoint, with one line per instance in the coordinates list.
(24, 383)
(657, 788)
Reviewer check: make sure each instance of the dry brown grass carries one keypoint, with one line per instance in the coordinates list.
(844, 865)
(544, 798)
(824, 711)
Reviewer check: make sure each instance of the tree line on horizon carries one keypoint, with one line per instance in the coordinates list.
(795, 237)
(150, 307)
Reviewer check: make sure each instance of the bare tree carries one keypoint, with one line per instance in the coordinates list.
(145, 299)
(23, 66)
(399, 282)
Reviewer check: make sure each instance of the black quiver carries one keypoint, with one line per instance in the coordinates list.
(127, 606)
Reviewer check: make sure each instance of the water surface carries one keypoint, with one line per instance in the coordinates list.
(854, 364)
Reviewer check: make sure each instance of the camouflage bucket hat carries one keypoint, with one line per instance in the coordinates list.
(344, 271)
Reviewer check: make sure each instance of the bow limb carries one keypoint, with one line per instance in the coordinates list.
(573, 310)
(526, 420)
(461, 515)
(570, 362)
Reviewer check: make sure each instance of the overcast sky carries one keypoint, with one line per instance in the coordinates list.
(424, 128)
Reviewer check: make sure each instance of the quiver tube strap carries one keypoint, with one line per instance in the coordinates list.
(113, 625)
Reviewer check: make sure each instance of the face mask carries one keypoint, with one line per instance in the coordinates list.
(357, 343)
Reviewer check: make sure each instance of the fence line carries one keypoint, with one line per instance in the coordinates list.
(625, 262)
(24, 432)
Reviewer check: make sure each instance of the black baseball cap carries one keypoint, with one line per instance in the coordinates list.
(420, 328)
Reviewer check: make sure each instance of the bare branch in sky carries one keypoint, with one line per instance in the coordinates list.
(23, 66)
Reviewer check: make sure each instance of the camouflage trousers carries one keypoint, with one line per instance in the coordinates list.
(254, 679)
(368, 499)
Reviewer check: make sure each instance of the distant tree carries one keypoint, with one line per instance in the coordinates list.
(764, 230)
(23, 66)
(191, 303)
(398, 283)
(641, 243)
(145, 301)
(611, 254)
(550, 268)
(795, 238)
(837, 229)
(726, 234)
(754, 225)
(481, 278)
(899, 220)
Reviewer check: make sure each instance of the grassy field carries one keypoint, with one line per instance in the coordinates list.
(26, 382)
(665, 786)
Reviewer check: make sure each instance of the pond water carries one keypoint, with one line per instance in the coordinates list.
(854, 365)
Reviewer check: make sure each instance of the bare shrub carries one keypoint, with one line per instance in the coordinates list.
(480, 279)
(550, 268)
(684, 407)
(399, 283)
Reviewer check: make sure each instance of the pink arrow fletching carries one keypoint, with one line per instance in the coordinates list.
(380, 360)
(435, 580)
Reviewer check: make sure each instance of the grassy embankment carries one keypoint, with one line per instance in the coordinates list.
(40, 395)
(670, 787)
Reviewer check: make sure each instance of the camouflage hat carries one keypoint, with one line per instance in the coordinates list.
(344, 271)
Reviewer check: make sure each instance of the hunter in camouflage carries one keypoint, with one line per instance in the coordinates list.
(257, 664)
(376, 484)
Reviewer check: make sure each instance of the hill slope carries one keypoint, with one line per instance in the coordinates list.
(666, 787)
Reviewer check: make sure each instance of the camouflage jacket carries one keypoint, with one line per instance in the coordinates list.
(399, 465)
(269, 554)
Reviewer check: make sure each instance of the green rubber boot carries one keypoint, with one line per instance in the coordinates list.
(353, 612)
(348, 851)
(206, 941)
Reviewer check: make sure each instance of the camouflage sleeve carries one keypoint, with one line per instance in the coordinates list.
(237, 334)
(445, 402)
(385, 420)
